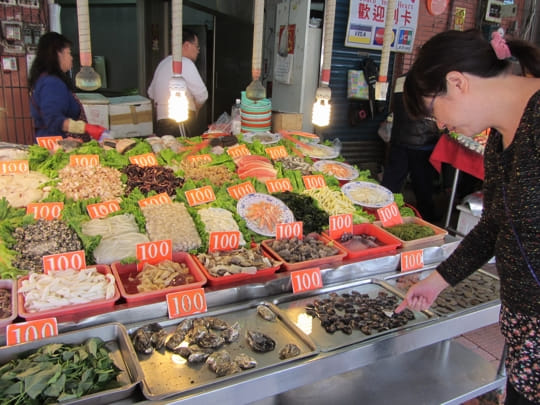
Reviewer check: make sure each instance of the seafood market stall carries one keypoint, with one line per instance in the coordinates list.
(329, 363)
(238, 224)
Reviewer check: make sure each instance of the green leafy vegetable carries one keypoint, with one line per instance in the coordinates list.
(58, 372)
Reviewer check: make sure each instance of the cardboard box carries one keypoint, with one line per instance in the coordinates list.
(130, 116)
(96, 108)
(287, 121)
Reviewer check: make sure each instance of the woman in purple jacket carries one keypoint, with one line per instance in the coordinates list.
(54, 107)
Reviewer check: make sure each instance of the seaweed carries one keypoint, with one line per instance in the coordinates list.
(305, 209)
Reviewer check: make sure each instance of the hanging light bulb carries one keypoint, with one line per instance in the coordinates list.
(178, 101)
(322, 107)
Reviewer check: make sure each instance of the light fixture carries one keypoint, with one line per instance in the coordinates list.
(322, 107)
(381, 86)
(87, 79)
(255, 90)
(178, 102)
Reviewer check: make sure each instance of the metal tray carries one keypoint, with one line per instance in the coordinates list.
(117, 342)
(167, 374)
(295, 308)
(479, 289)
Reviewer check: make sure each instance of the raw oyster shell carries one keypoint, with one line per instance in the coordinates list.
(266, 313)
(288, 351)
(260, 342)
(245, 362)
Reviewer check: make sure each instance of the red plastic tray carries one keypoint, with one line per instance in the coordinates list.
(122, 271)
(438, 236)
(11, 286)
(72, 312)
(324, 261)
(213, 280)
(390, 242)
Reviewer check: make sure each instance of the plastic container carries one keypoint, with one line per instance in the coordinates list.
(11, 286)
(122, 271)
(322, 262)
(236, 121)
(438, 236)
(233, 278)
(72, 312)
(389, 241)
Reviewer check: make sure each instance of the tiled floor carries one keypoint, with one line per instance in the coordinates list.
(488, 343)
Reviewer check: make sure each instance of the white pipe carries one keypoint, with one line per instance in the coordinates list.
(83, 20)
(381, 87)
(258, 23)
(177, 36)
(328, 30)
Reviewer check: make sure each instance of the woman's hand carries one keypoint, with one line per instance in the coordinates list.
(421, 295)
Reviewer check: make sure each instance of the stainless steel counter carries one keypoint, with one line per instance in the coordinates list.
(420, 353)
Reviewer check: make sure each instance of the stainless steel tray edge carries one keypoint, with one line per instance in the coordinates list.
(307, 340)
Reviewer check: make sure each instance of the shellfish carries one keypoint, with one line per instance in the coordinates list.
(260, 342)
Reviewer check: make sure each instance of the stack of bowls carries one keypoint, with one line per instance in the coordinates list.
(256, 116)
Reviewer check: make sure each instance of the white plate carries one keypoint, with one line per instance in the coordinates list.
(343, 171)
(367, 194)
(266, 138)
(248, 200)
(319, 151)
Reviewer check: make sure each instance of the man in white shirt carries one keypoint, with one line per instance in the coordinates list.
(197, 92)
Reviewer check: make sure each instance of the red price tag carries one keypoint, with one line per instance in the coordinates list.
(32, 330)
(63, 261)
(390, 215)
(306, 280)
(206, 158)
(239, 190)
(184, 303)
(290, 230)
(412, 260)
(144, 160)
(48, 142)
(84, 160)
(238, 151)
(276, 152)
(314, 181)
(153, 252)
(101, 210)
(200, 195)
(158, 199)
(278, 185)
(222, 241)
(48, 211)
(340, 224)
(14, 167)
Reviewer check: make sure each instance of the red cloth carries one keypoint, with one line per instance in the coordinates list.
(448, 151)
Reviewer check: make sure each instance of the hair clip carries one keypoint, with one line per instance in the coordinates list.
(499, 45)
